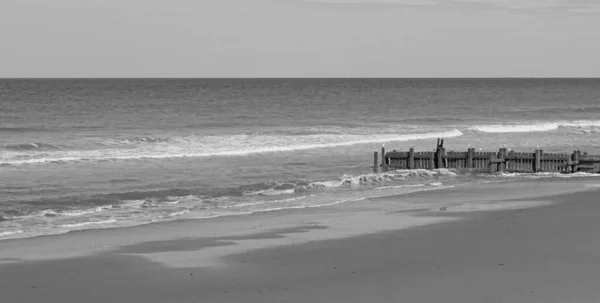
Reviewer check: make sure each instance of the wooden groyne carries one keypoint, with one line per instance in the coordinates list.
(504, 160)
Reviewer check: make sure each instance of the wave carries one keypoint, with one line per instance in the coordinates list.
(252, 199)
(549, 175)
(10, 233)
(208, 146)
(375, 178)
(179, 213)
(271, 192)
(581, 125)
(516, 128)
(50, 213)
(87, 223)
(136, 140)
(30, 146)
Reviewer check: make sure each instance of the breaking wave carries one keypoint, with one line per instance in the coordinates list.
(10, 233)
(30, 146)
(206, 146)
(87, 223)
(391, 176)
(538, 127)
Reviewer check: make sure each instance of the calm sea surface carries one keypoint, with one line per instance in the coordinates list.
(78, 154)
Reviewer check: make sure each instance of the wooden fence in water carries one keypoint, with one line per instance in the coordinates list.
(503, 160)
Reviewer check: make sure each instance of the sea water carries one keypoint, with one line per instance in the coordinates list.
(78, 154)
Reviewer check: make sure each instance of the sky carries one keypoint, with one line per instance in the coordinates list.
(299, 38)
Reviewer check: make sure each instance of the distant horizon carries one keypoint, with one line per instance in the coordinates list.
(284, 78)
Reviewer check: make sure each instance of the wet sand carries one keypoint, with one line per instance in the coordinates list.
(548, 253)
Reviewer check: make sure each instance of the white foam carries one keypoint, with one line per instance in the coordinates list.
(548, 175)
(240, 205)
(78, 213)
(399, 186)
(236, 145)
(271, 192)
(180, 213)
(87, 223)
(373, 178)
(10, 233)
(516, 128)
(580, 125)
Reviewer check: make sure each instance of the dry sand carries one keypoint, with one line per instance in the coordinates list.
(360, 252)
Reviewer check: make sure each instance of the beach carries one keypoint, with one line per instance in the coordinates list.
(530, 241)
(264, 190)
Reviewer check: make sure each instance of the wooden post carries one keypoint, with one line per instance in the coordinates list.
(575, 159)
(501, 155)
(542, 164)
(470, 153)
(493, 163)
(537, 161)
(383, 160)
(375, 162)
(444, 160)
(411, 158)
(439, 159)
(431, 160)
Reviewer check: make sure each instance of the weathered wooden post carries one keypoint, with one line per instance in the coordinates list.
(575, 159)
(444, 159)
(411, 158)
(501, 156)
(375, 162)
(493, 163)
(439, 160)
(470, 153)
(383, 159)
(431, 160)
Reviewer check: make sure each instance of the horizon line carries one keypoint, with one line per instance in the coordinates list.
(277, 78)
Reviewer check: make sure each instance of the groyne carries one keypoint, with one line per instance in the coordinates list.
(503, 160)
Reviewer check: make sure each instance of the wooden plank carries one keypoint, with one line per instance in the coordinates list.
(470, 153)
(575, 158)
(431, 160)
(587, 166)
(589, 158)
(492, 161)
(375, 161)
(396, 154)
(383, 158)
(411, 158)
(501, 153)
(439, 162)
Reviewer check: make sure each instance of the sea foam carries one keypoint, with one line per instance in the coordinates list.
(207, 146)
(579, 125)
(87, 223)
(10, 233)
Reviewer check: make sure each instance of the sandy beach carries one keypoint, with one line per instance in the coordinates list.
(531, 241)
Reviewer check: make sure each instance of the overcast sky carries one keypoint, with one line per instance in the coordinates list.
(300, 38)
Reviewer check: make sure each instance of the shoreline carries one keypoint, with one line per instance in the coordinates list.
(521, 254)
(103, 218)
(77, 242)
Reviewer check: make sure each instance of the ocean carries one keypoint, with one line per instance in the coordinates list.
(99, 153)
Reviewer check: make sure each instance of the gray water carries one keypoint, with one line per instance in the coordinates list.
(78, 154)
